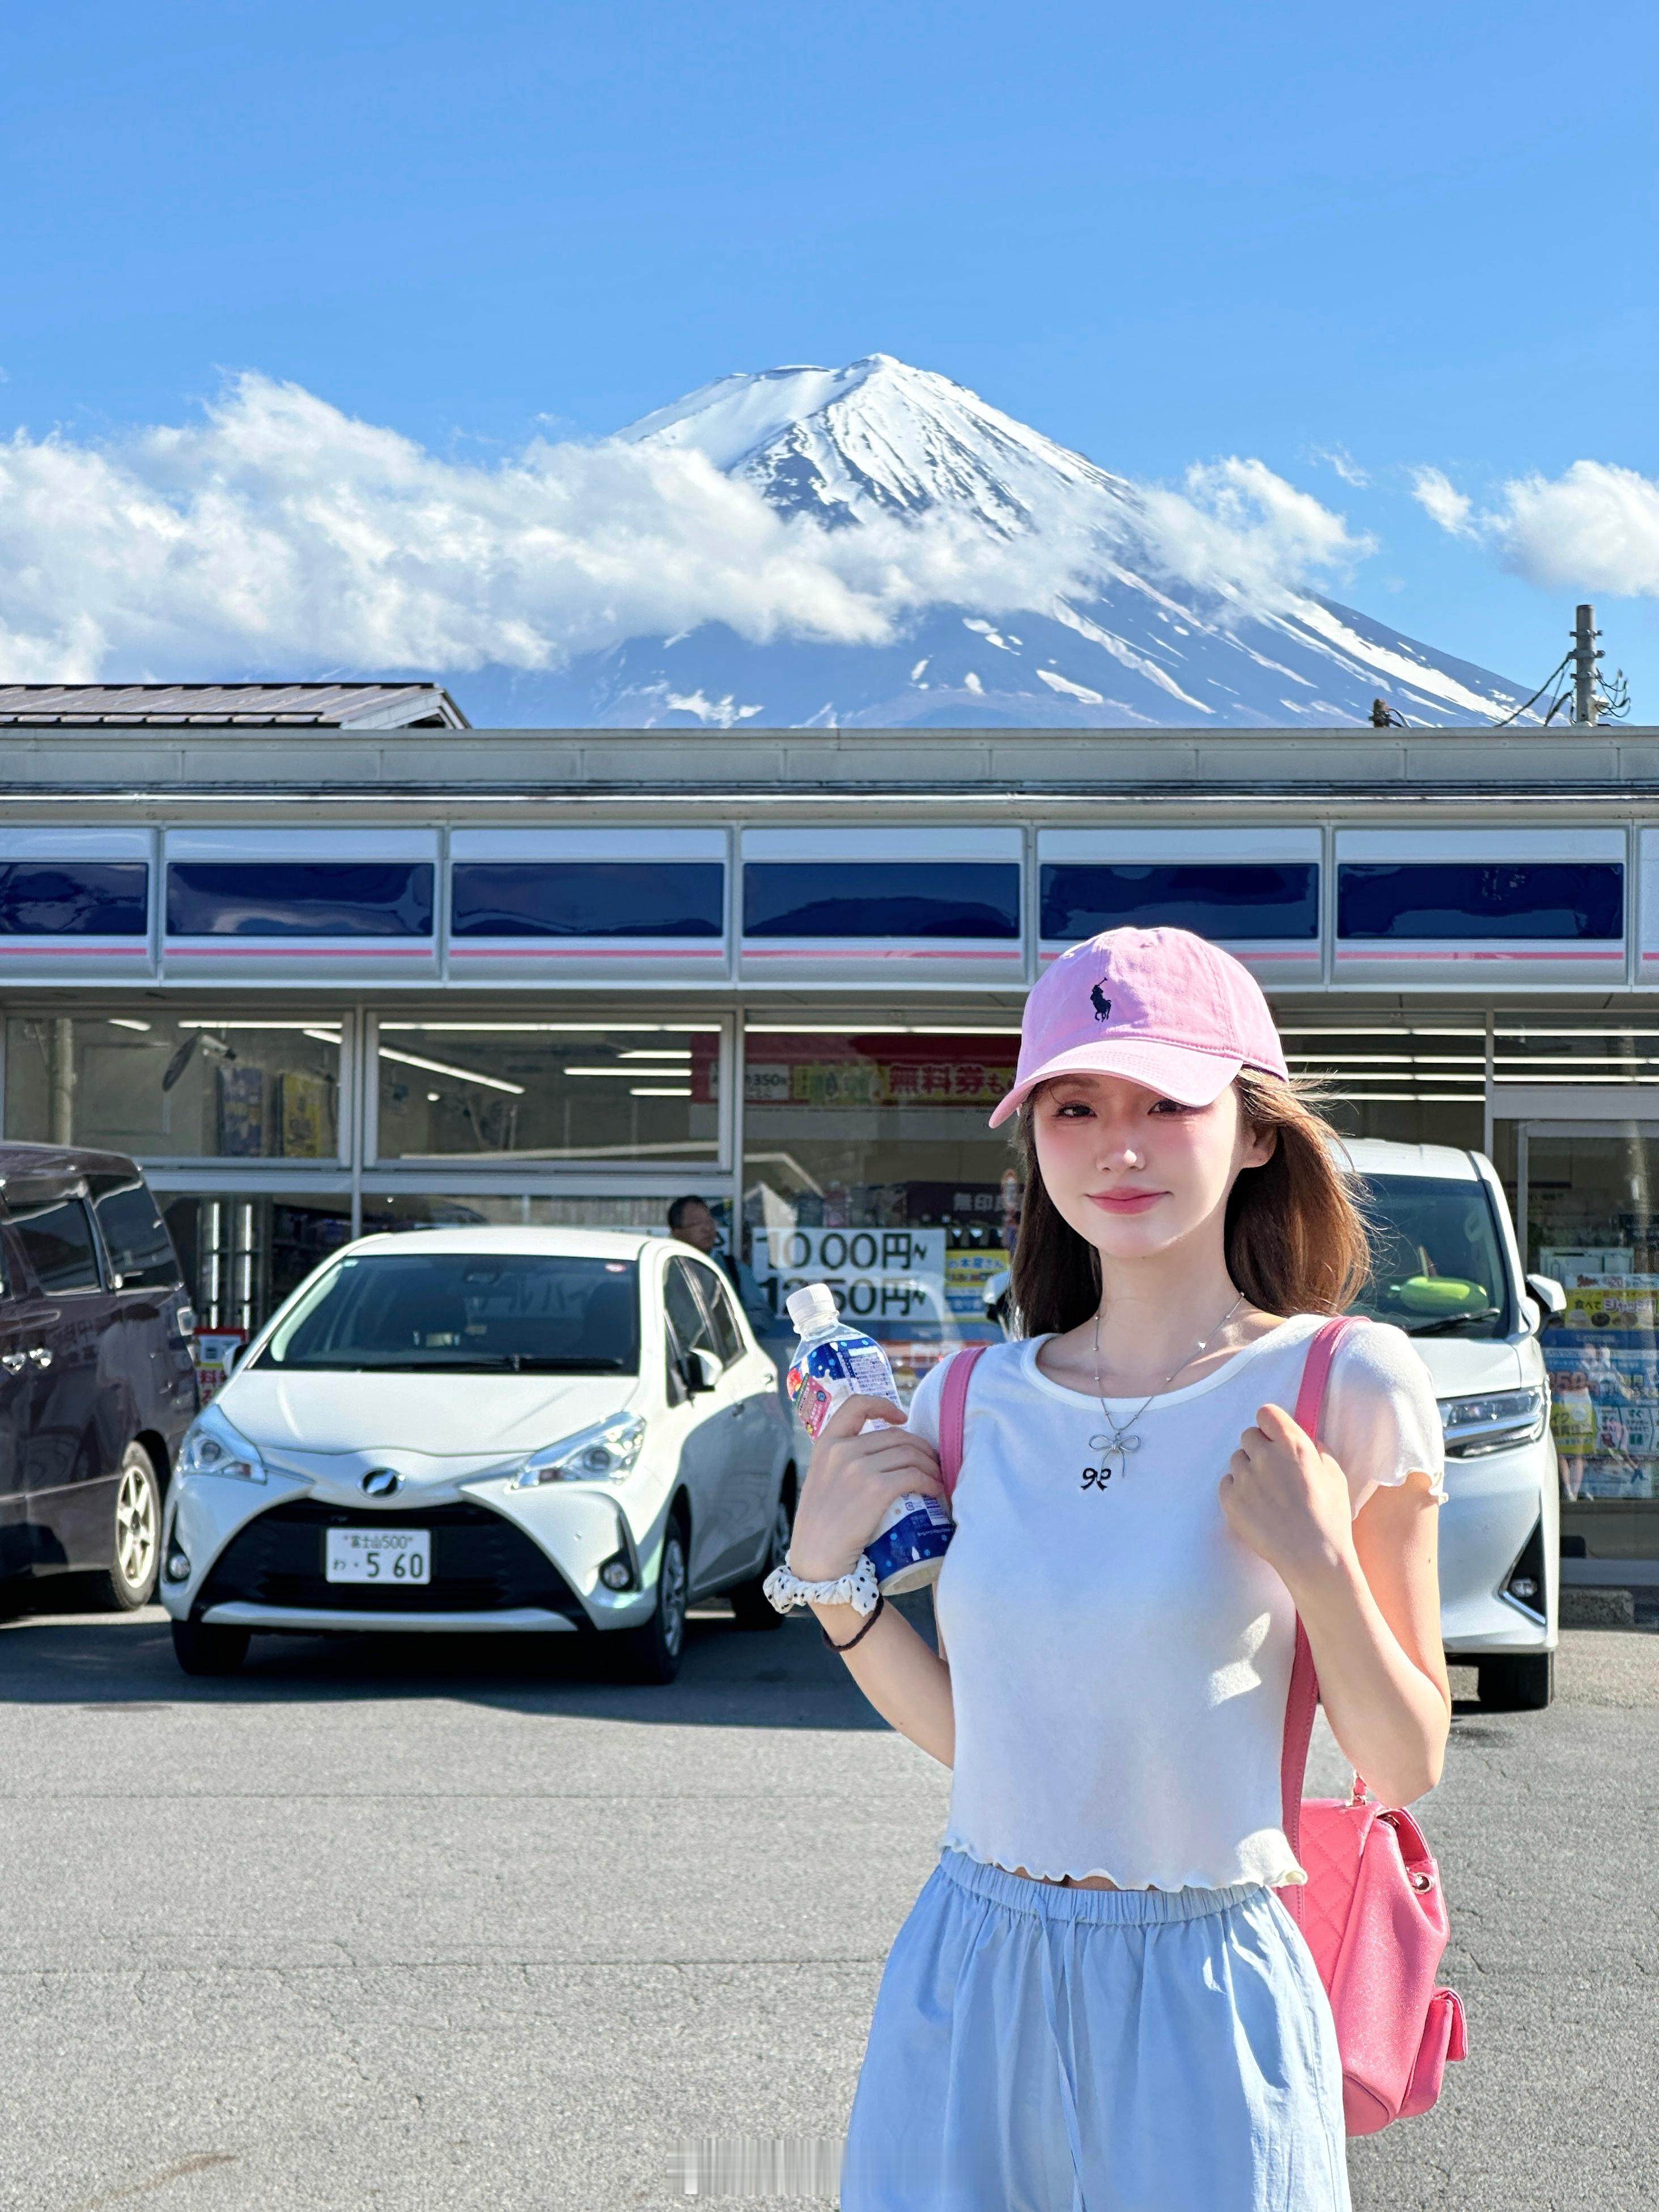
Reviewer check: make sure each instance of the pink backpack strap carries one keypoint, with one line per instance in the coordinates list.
(952, 1413)
(1303, 1700)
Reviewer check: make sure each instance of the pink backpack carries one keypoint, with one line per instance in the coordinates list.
(1372, 1910)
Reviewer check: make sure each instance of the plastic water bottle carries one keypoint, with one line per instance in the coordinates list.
(833, 1363)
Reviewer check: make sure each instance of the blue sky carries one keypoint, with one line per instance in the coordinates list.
(1407, 236)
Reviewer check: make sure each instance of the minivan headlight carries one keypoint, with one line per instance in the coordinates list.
(1498, 1422)
(211, 1446)
(601, 1454)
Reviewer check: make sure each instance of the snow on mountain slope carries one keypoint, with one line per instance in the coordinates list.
(1050, 592)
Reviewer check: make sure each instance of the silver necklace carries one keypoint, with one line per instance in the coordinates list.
(1119, 1439)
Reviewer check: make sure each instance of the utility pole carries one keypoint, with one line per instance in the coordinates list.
(1586, 691)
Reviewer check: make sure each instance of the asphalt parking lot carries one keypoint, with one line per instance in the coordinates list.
(419, 1924)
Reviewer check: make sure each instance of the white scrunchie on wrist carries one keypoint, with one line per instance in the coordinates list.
(857, 1587)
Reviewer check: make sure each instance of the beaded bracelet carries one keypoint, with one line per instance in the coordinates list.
(858, 1635)
(857, 1587)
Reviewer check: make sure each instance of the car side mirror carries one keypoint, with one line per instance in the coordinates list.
(1551, 1298)
(228, 1360)
(702, 1372)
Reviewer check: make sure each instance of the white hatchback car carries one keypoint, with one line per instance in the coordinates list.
(543, 1430)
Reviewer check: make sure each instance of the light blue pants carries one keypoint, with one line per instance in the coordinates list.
(1040, 2048)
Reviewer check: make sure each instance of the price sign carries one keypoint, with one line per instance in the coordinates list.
(877, 1274)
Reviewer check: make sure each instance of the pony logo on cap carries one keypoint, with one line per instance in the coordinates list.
(1102, 1004)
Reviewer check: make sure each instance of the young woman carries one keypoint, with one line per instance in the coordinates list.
(1097, 2004)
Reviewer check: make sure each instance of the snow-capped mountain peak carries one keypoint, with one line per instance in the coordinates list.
(879, 437)
(1021, 584)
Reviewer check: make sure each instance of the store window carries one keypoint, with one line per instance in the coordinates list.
(299, 898)
(961, 899)
(166, 1087)
(1441, 901)
(242, 1254)
(587, 898)
(1418, 1081)
(75, 899)
(479, 1092)
(1232, 900)
(868, 1164)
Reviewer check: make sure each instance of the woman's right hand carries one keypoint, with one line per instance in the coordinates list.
(850, 1484)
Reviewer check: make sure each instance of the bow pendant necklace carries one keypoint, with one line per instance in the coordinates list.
(1119, 1439)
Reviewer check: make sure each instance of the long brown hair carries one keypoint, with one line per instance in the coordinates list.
(1295, 1241)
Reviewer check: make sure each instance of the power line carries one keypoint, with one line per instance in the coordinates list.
(1555, 672)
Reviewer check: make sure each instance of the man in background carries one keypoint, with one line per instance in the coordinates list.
(691, 1222)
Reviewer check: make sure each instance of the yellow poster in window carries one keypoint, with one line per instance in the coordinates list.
(302, 1113)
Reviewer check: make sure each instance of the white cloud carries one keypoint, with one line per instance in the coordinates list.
(1239, 530)
(1340, 458)
(1593, 528)
(276, 534)
(1443, 503)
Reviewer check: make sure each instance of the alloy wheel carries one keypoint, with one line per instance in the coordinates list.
(671, 1596)
(134, 1526)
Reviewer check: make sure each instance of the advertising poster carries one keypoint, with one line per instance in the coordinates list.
(1604, 1384)
(301, 1114)
(211, 1345)
(242, 1110)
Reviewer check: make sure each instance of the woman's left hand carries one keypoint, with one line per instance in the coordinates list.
(1288, 1500)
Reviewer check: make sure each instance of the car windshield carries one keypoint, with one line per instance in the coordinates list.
(1437, 1269)
(517, 1313)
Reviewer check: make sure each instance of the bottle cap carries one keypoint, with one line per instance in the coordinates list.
(812, 1307)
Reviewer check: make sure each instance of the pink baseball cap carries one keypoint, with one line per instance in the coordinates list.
(1156, 1006)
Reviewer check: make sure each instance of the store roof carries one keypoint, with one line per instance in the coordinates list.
(250, 706)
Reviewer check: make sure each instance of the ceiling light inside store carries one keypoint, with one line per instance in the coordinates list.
(308, 1029)
(642, 1091)
(657, 1051)
(547, 1029)
(120, 1022)
(443, 1068)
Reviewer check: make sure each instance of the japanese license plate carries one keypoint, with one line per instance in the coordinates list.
(378, 1555)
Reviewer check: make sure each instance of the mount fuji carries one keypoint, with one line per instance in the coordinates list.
(1036, 588)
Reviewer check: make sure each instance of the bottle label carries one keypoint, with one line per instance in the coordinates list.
(821, 1378)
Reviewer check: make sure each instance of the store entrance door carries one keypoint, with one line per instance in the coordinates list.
(1588, 1213)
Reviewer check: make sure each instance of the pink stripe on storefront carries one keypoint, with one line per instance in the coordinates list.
(1613, 956)
(294, 948)
(595, 951)
(862, 951)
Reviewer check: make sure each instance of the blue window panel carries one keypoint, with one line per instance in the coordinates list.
(587, 898)
(299, 898)
(1228, 899)
(880, 898)
(74, 898)
(1440, 900)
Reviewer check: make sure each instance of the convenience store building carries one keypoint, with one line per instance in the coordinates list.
(325, 980)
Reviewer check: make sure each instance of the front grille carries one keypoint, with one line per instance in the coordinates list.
(481, 1564)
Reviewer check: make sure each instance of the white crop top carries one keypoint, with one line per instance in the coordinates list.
(1118, 1660)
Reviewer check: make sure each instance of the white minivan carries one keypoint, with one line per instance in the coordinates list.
(1447, 1271)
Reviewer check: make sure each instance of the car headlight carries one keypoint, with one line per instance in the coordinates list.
(1498, 1422)
(601, 1454)
(211, 1446)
